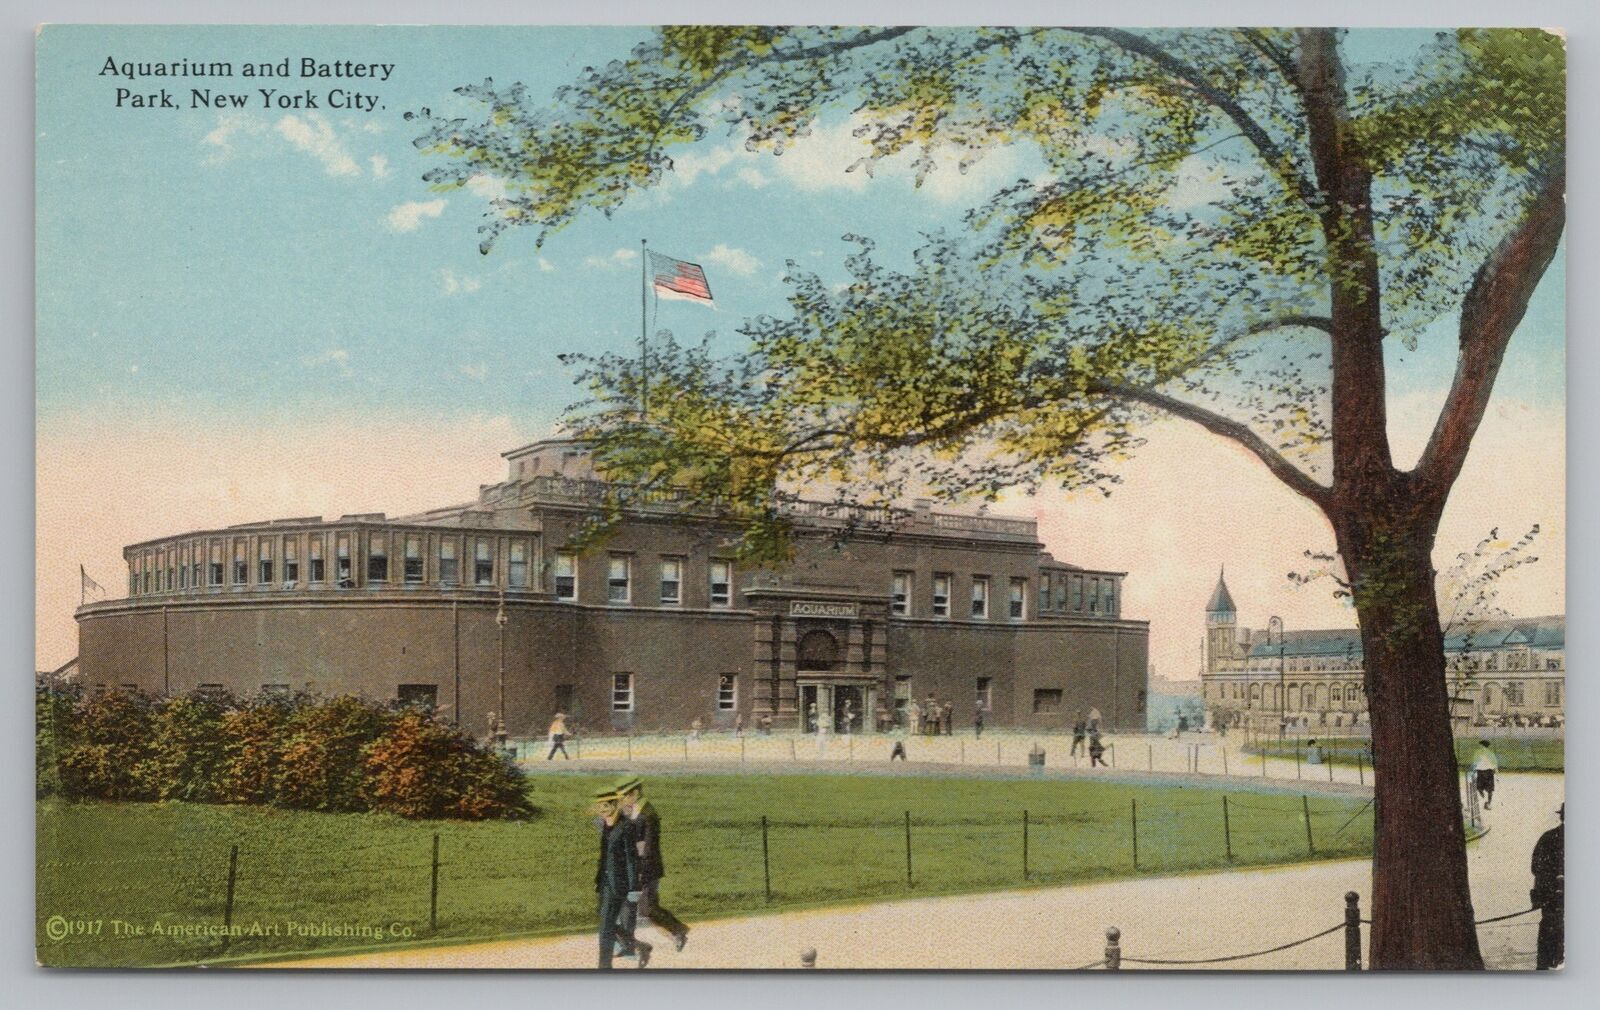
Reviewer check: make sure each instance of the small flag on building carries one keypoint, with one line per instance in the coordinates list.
(88, 587)
(676, 279)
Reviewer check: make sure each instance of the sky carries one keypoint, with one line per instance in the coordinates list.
(254, 313)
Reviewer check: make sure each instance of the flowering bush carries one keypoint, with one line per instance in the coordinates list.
(112, 741)
(420, 768)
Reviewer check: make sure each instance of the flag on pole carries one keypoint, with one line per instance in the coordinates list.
(88, 586)
(676, 279)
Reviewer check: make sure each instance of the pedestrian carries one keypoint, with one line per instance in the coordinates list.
(932, 715)
(1549, 894)
(1097, 750)
(1079, 732)
(822, 738)
(899, 748)
(694, 728)
(558, 737)
(647, 842)
(766, 724)
(949, 718)
(849, 719)
(977, 719)
(1094, 720)
(738, 725)
(914, 718)
(616, 881)
(811, 718)
(1183, 724)
(1484, 765)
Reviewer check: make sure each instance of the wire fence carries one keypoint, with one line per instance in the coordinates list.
(283, 894)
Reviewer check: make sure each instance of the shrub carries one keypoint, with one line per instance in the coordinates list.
(420, 768)
(55, 712)
(252, 734)
(320, 762)
(189, 758)
(114, 736)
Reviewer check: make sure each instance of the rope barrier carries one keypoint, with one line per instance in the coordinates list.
(1502, 918)
(1234, 957)
(1087, 967)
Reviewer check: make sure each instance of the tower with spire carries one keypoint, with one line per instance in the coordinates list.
(1222, 621)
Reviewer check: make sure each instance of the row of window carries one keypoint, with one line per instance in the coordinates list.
(903, 585)
(622, 692)
(1488, 661)
(669, 579)
(1083, 594)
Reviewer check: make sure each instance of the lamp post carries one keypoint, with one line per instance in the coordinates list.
(500, 621)
(1275, 628)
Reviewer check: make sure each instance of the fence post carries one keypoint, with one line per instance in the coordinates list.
(766, 861)
(1024, 844)
(630, 746)
(1361, 768)
(909, 884)
(686, 749)
(1135, 833)
(1224, 749)
(850, 740)
(227, 906)
(1330, 767)
(1352, 931)
(1113, 750)
(1305, 807)
(791, 749)
(1150, 757)
(1113, 949)
(963, 751)
(1227, 829)
(997, 759)
(1297, 759)
(433, 890)
(577, 743)
(741, 750)
(1263, 762)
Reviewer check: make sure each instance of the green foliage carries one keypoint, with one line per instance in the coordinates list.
(300, 752)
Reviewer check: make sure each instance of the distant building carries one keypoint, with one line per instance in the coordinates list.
(459, 607)
(1500, 671)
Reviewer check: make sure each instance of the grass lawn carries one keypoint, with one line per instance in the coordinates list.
(832, 839)
(1516, 754)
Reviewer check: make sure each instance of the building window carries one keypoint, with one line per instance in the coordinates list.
(314, 558)
(183, 569)
(622, 692)
(1109, 597)
(671, 580)
(275, 690)
(566, 575)
(1044, 592)
(216, 563)
(341, 562)
(214, 692)
(986, 693)
(449, 566)
(1046, 699)
(264, 562)
(721, 583)
(133, 578)
(1077, 593)
(377, 557)
(423, 696)
(1061, 591)
(980, 596)
(1094, 596)
(941, 594)
(517, 570)
(1552, 664)
(483, 563)
(1552, 693)
(241, 570)
(1019, 599)
(413, 569)
(1514, 692)
(727, 692)
(291, 561)
(619, 568)
(172, 558)
(196, 552)
(901, 602)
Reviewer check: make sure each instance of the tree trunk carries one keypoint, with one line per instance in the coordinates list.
(1422, 914)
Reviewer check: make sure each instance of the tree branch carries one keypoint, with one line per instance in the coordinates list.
(1493, 307)
(1322, 323)
(1291, 475)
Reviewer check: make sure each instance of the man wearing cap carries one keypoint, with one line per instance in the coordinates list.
(616, 880)
(646, 825)
(1549, 893)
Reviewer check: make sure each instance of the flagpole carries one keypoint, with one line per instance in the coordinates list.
(644, 354)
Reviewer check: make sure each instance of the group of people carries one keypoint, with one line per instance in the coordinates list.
(1087, 728)
(628, 878)
(931, 718)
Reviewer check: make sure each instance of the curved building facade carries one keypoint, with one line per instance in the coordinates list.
(483, 608)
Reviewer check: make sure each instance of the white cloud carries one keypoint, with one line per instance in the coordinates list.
(546, 266)
(221, 137)
(823, 161)
(408, 216)
(316, 137)
(753, 177)
(338, 357)
(475, 372)
(458, 285)
(380, 166)
(487, 186)
(622, 257)
(735, 259)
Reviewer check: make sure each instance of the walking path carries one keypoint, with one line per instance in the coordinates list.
(1196, 916)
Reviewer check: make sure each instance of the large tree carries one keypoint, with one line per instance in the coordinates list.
(1231, 227)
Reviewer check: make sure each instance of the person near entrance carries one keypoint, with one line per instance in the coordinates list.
(913, 718)
(1549, 894)
(616, 880)
(646, 824)
(1080, 730)
(977, 719)
(949, 718)
(1484, 765)
(558, 737)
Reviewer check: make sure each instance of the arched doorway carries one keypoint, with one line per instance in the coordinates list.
(818, 650)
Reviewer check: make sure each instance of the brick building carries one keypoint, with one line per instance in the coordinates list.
(482, 608)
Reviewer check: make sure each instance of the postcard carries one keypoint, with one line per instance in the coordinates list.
(751, 497)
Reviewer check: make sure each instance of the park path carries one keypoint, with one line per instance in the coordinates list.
(1194, 916)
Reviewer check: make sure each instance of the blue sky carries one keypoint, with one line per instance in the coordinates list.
(217, 288)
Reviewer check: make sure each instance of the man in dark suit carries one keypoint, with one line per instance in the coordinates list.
(646, 825)
(1549, 893)
(616, 880)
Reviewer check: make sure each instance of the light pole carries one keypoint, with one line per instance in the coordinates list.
(500, 621)
(1275, 627)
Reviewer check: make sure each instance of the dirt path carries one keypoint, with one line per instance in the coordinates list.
(1203, 915)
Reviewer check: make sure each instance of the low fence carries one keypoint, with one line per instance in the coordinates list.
(261, 896)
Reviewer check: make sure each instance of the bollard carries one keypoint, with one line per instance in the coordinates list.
(227, 908)
(1113, 949)
(808, 957)
(433, 890)
(766, 860)
(1352, 931)
(1227, 830)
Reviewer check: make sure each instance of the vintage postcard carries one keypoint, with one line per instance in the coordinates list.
(801, 497)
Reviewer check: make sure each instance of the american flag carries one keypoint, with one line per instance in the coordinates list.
(680, 280)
